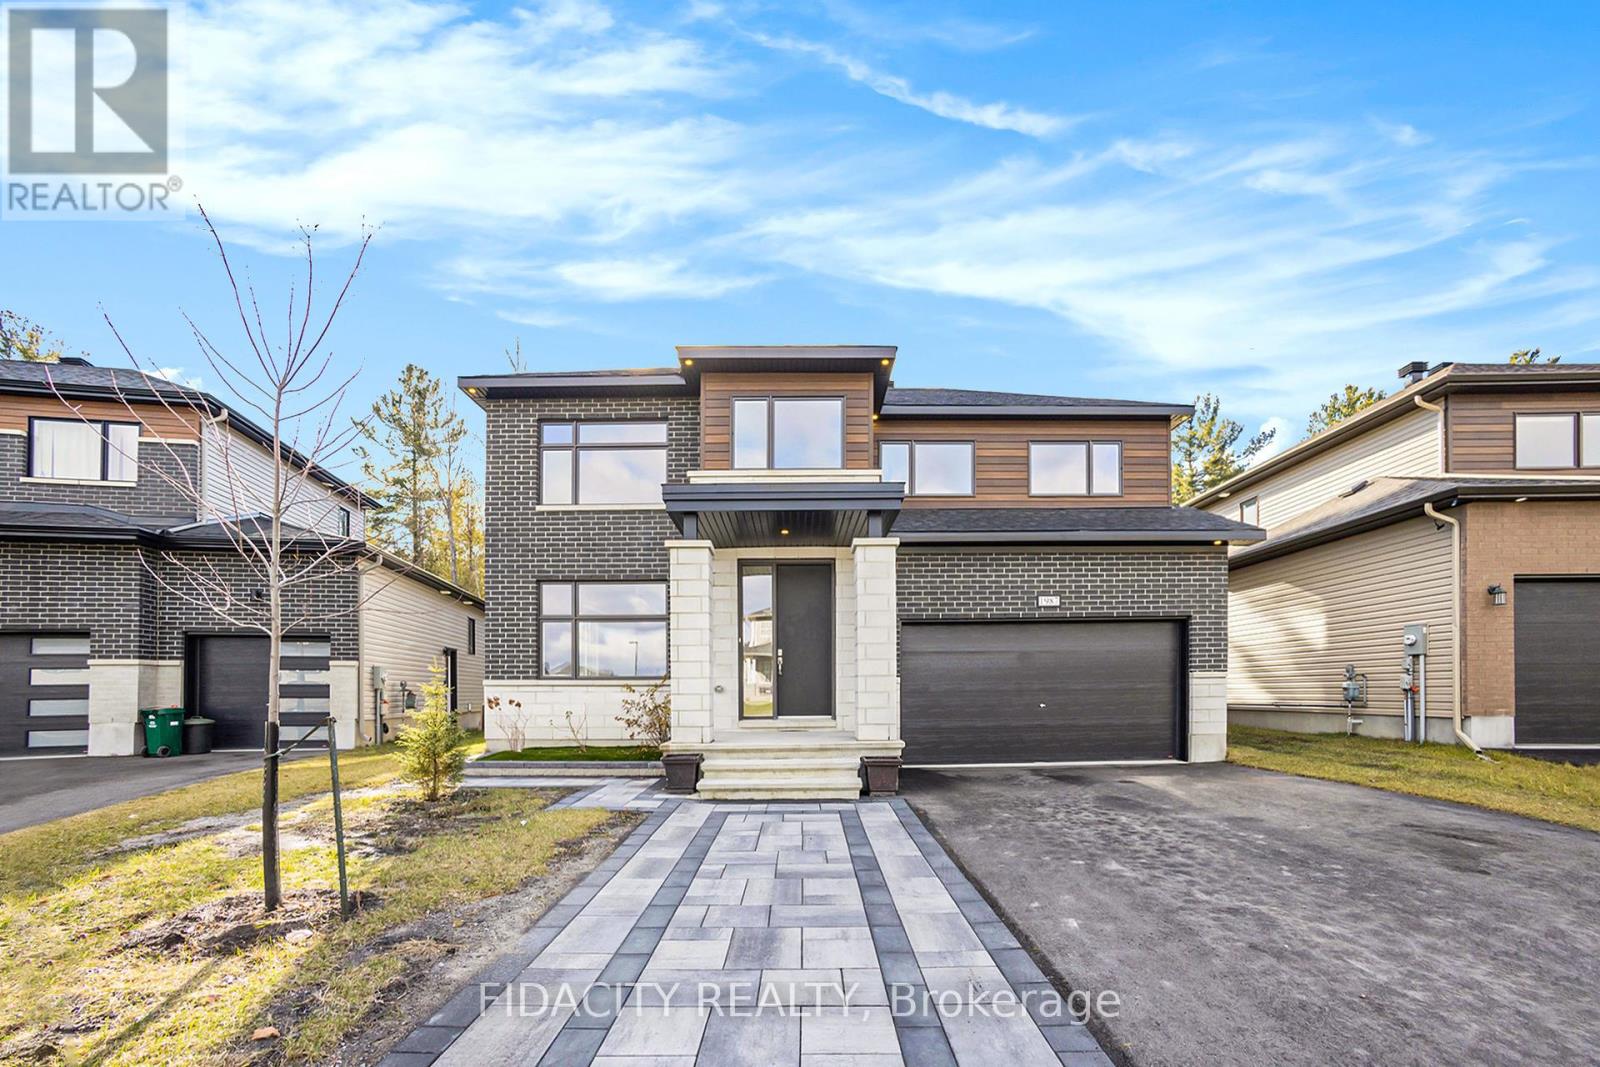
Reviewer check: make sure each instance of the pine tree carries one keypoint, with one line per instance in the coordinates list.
(1206, 451)
(23, 339)
(405, 438)
(1526, 356)
(1340, 406)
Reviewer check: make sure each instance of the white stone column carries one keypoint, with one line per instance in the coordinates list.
(689, 642)
(1208, 716)
(877, 640)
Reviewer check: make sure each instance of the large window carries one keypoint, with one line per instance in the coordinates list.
(1075, 468)
(602, 462)
(1556, 441)
(83, 451)
(603, 629)
(929, 468)
(788, 433)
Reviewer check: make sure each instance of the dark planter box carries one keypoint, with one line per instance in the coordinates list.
(683, 771)
(882, 774)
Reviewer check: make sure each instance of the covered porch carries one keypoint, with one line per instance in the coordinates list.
(783, 632)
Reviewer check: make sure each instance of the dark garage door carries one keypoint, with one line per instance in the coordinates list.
(229, 682)
(1558, 662)
(1040, 692)
(44, 694)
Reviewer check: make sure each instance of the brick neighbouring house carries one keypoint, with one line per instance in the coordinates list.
(94, 625)
(831, 568)
(1468, 503)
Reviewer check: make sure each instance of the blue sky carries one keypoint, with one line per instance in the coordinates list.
(1140, 200)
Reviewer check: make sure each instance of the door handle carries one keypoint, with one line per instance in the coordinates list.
(780, 661)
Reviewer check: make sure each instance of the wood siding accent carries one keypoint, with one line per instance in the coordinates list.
(1482, 426)
(158, 421)
(718, 390)
(1407, 447)
(1001, 462)
(1295, 621)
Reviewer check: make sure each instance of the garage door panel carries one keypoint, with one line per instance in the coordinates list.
(1557, 629)
(1039, 692)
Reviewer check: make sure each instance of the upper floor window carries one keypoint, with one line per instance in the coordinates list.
(1074, 468)
(603, 629)
(602, 462)
(1250, 511)
(929, 468)
(788, 433)
(344, 522)
(83, 451)
(1553, 441)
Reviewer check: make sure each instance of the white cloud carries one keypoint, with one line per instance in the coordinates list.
(177, 376)
(1285, 435)
(996, 116)
(1401, 133)
(643, 279)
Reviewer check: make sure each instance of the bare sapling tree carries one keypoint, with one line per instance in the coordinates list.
(262, 543)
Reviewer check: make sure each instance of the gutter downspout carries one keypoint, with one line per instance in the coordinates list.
(1455, 602)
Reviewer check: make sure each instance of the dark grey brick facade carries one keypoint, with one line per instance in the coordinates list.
(954, 583)
(153, 495)
(112, 593)
(525, 546)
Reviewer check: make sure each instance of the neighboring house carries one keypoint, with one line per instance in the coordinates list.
(832, 568)
(101, 540)
(1469, 503)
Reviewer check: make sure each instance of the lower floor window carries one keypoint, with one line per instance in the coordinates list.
(603, 629)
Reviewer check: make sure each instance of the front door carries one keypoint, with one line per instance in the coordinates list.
(786, 639)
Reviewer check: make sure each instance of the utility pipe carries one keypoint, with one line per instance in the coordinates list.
(1456, 579)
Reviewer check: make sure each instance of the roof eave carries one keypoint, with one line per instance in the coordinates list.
(1201, 537)
(1035, 411)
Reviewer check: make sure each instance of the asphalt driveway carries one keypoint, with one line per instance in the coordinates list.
(37, 790)
(1248, 917)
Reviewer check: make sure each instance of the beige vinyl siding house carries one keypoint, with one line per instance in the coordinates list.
(406, 626)
(1295, 621)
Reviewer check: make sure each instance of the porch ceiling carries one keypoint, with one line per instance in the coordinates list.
(763, 514)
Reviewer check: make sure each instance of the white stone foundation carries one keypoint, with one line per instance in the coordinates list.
(1208, 716)
(542, 717)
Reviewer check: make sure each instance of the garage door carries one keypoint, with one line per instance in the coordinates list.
(1040, 692)
(44, 694)
(229, 680)
(1558, 662)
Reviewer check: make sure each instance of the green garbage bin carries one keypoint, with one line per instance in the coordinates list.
(163, 731)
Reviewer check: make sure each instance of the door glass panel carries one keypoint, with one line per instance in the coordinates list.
(67, 645)
(808, 434)
(749, 434)
(757, 665)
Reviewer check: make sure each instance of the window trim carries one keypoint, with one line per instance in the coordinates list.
(911, 444)
(1252, 502)
(573, 447)
(105, 450)
(770, 400)
(573, 618)
(1576, 416)
(1088, 444)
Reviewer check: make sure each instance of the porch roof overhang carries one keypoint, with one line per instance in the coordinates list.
(768, 514)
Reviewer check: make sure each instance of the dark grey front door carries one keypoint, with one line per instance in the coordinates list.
(1040, 692)
(1557, 662)
(804, 630)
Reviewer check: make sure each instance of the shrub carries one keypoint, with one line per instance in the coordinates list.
(432, 752)
(647, 714)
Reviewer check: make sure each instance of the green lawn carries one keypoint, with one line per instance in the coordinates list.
(82, 979)
(1538, 789)
(573, 752)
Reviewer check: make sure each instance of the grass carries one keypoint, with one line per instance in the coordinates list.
(572, 752)
(1538, 789)
(72, 990)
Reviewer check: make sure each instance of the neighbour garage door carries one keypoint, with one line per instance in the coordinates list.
(44, 694)
(1040, 691)
(229, 684)
(1558, 662)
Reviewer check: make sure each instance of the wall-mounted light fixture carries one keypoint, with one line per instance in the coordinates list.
(1497, 595)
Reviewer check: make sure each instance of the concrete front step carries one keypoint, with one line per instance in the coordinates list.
(774, 787)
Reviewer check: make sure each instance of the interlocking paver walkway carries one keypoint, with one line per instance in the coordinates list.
(813, 935)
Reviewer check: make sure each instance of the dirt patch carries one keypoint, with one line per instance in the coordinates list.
(232, 924)
(454, 944)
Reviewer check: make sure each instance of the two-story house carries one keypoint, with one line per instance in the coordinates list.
(830, 568)
(123, 499)
(1463, 511)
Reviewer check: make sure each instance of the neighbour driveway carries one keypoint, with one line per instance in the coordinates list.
(38, 790)
(1250, 917)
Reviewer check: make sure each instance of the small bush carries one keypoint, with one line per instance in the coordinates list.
(647, 714)
(432, 745)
